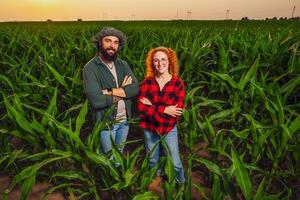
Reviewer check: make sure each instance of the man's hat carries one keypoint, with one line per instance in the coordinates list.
(109, 31)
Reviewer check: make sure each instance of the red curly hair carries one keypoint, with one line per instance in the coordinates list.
(172, 57)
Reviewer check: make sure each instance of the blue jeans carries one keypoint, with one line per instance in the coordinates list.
(118, 133)
(171, 139)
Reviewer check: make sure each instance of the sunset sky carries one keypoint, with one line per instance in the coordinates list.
(40, 10)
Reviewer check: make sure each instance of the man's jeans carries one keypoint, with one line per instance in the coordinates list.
(171, 140)
(118, 133)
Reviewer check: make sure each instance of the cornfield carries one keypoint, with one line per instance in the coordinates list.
(242, 110)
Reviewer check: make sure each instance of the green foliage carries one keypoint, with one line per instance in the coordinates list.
(242, 101)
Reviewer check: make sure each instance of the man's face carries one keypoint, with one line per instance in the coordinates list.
(109, 46)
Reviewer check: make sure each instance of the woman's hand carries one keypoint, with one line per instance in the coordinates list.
(173, 111)
(146, 101)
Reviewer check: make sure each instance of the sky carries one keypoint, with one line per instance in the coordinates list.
(70, 10)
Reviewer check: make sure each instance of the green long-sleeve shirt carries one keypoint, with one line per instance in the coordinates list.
(96, 76)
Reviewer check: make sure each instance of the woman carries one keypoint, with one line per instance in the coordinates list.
(160, 103)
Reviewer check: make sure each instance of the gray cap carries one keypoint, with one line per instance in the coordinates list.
(109, 31)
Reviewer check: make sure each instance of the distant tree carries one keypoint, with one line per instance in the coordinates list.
(245, 18)
(295, 18)
(267, 19)
(79, 20)
(274, 18)
(49, 20)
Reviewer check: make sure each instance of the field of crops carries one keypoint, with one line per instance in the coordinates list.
(240, 129)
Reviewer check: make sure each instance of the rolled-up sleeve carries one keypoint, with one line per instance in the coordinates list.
(93, 90)
(131, 90)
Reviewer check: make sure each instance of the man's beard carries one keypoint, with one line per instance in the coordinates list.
(107, 56)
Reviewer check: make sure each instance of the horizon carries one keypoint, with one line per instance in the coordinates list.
(144, 10)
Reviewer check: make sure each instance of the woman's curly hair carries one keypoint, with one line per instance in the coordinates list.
(172, 57)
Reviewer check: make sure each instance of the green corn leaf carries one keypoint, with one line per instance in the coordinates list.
(288, 88)
(146, 196)
(4, 158)
(70, 175)
(6, 79)
(211, 166)
(280, 106)
(251, 73)
(13, 156)
(18, 117)
(57, 76)
(217, 193)
(27, 184)
(52, 189)
(70, 133)
(273, 196)
(243, 134)
(133, 157)
(81, 117)
(98, 158)
(104, 162)
(169, 167)
(75, 80)
(209, 127)
(117, 155)
(221, 114)
(227, 78)
(52, 109)
(294, 125)
(129, 176)
(260, 191)
(241, 175)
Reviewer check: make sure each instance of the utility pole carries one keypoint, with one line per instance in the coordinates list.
(104, 16)
(132, 17)
(188, 14)
(227, 13)
(293, 11)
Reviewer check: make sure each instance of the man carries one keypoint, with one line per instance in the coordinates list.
(109, 80)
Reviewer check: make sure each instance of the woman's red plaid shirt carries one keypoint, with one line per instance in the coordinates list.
(153, 117)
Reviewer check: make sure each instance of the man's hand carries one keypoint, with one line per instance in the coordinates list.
(115, 98)
(127, 81)
(146, 101)
(105, 91)
(118, 92)
(173, 111)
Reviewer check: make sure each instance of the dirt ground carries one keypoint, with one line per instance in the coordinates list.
(37, 191)
(198, 179)
(40, 188)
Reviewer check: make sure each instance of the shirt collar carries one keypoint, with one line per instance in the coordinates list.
(99, 62)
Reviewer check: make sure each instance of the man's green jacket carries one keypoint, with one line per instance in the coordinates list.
(96, 77)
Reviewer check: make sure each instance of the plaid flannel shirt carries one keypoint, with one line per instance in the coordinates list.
(153, 117)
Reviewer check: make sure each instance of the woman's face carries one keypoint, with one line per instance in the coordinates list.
(161, 62)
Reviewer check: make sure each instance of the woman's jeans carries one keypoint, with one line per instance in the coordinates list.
(118, 133)
(171, 139)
